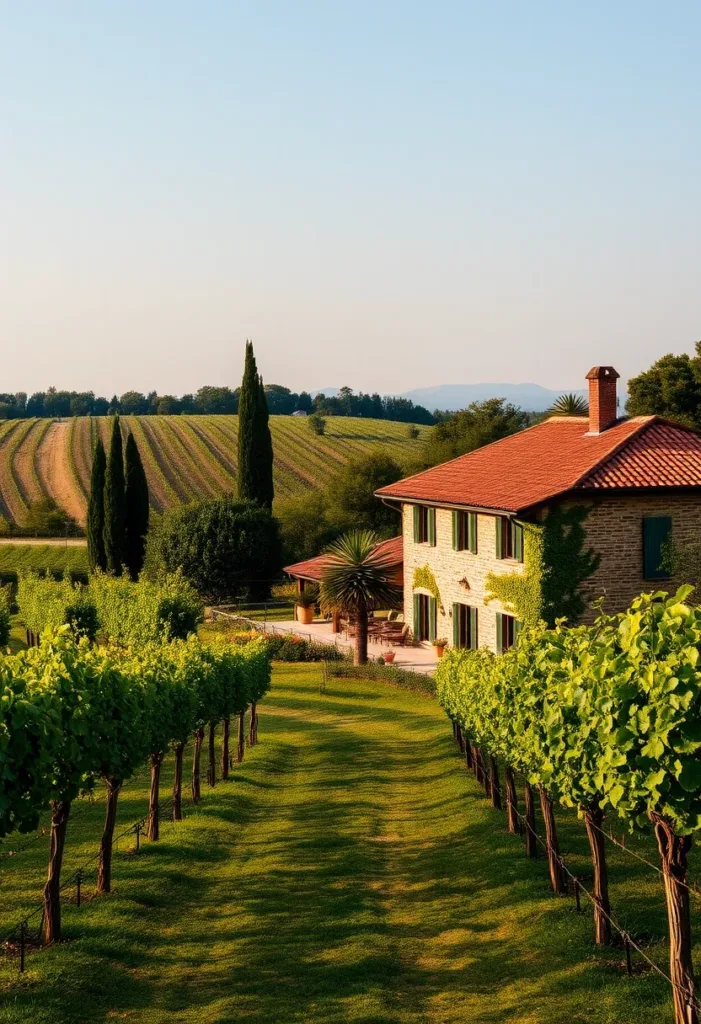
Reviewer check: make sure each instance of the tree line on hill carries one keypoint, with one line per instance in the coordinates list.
(208, 401)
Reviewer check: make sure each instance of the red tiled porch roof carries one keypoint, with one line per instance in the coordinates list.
(556, 456)
(313, 568)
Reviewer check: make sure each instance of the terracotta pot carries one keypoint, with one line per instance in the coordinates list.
(439, 651)
(389, 657)
(305, 616)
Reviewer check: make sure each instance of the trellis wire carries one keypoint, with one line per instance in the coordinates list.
(628, 941)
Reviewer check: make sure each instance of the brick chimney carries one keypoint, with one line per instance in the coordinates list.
(602, 398)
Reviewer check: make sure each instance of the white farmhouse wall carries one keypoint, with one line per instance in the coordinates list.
(460, 575)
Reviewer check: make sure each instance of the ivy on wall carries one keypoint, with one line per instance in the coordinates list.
(425, 580)
(556, 564)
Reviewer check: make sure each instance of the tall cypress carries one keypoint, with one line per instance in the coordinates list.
(95, 523)
(264, 447)
(136, 509)
(255, 463)
(114, 532)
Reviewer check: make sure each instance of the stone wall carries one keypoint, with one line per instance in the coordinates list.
(614, 528)
(460, 575)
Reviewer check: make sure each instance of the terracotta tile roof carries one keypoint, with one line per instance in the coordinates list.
(559, 455)
(663, 455)
(313, 568)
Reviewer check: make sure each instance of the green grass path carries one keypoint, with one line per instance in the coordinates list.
(350, 872)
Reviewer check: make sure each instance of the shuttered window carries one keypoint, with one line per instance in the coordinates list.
(424, 525)
(508, 629)
(431, 522)
(509, 538)
(465, 626)
(657, 531)
(517, 540)
(464, 531)
(425, 617)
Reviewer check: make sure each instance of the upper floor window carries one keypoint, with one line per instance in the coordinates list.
(424, 525)
(509, 538)
(465, 531)
(657, 531)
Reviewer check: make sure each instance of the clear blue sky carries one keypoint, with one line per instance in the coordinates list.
(386, 195)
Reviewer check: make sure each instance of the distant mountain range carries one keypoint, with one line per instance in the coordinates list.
(530, 397)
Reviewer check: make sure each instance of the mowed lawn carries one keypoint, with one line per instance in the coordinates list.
(350, 871)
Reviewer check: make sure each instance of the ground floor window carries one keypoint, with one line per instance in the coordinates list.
(425, 615)
(465, 626)
(507, 631)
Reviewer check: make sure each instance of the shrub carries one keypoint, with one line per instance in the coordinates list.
(46, 518)
(46, 603)
(147, 611)
(317, 424)
(289, 647)
(224, 548)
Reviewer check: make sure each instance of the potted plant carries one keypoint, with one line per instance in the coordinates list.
(389, 656)
(439, 646)
(305, 606)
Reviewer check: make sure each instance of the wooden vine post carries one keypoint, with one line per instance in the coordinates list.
(513, 820)
(469, 763)
(557, 880)
(52, 890)
(494, 789)
(226, 732)
(241, 737)
(177, 806)
(477, 762)
(593, 821)
(674, 851)
(531, 841)
(196, 754)
(212, 757)
(104, 868)
(252, 729)
(153, 811)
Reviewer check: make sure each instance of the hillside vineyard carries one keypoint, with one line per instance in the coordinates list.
(185, 457)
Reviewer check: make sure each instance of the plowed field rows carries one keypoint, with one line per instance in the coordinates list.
(185, 457)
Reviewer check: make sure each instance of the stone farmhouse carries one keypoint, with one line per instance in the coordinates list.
(547, 521)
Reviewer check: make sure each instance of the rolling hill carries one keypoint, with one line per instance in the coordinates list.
(185, 457)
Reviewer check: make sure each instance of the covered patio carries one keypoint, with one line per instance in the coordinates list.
(414, 659)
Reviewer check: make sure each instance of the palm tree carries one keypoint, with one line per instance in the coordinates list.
(356, 579)
(569, 405)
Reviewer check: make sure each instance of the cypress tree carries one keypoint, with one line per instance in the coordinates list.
(136, 509)
(255, 463)
(114, 532)
(95, 523)
(264, 446)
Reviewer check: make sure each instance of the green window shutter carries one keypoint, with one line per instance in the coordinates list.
(417, 618)
(472, 532)
(656, 533)
(517, 630)
(417, 520)
(456, 530)
(474, 637)
(432, 618)
(500, 545)
(517, 544)
(500, 636)
(432, 527)
(456, 625)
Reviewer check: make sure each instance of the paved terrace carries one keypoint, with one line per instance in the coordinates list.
(415, 659)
